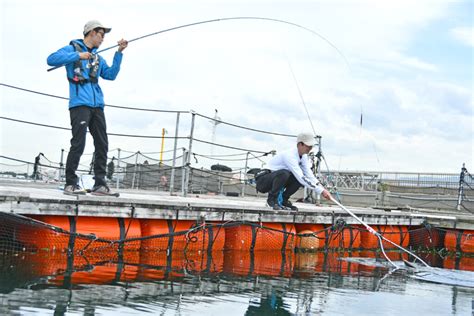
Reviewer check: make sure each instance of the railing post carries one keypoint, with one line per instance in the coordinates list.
(190, 150)
(318, 165)
(245, 174)
(61, 165)
(135, 169)
(183, 171)
(118, 169)
(461, 187)
(174, 153)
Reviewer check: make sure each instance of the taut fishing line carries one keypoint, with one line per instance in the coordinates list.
(227, 19)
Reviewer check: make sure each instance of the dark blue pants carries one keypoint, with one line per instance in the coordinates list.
(83, 117)
(274, 181)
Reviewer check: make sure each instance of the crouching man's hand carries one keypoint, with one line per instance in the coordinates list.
(326, 194)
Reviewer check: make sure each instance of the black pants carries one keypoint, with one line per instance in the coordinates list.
(274, 181)
(81, 118)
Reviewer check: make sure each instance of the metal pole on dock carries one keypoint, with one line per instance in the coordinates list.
(183, 171)
(317, 170)
(174, 153)
(61, 165)
(190, 150)
(135, 169)
(461, 187)
(245, 173)
(118, 168)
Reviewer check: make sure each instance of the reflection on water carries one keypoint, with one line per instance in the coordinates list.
(230, 283)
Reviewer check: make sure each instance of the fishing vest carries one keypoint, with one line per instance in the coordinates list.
(79, 70)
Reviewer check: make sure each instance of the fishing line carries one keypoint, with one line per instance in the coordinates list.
(227, 19)
(379, 236)
(301, 96)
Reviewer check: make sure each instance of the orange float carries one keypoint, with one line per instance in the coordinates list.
(159, 265)
(310, 242)
(259, 262)
(181, 235)
(305, 240)
(459, 263)
(347, 238)
(91, 228)
(270, 236)
(459, 240)
(105, 273)
(397, 234)
(330, 261)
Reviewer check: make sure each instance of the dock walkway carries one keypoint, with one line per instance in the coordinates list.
(37, 199)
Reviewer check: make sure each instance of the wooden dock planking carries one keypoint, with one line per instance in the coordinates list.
(27, 200)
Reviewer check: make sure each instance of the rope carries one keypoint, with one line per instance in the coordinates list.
(137, 136)
(244, 127)
(223, 159)
(109, 105)
(151, 110)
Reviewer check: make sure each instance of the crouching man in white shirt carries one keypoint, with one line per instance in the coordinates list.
(290, 170)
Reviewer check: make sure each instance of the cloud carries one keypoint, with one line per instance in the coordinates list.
(464, 35)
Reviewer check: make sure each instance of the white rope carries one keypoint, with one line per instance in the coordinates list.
(378, 235)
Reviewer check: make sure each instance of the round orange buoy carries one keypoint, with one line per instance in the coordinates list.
(317, 229)
(306, 262)
(459, 240)
(307, 242)
(347, 238)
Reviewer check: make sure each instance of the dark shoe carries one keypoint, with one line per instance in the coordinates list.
(271, 202)
(288, 205)
(103, 190)
(71, 189)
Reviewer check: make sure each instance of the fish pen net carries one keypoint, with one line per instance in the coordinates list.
(80, 250)
(82, 234)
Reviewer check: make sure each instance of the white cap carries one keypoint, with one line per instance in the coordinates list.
(306, 138)
(93, 24)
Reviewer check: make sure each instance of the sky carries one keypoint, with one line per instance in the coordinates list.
(406, 66)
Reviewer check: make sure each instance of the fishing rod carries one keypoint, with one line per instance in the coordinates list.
(379, 236)
(226, 19)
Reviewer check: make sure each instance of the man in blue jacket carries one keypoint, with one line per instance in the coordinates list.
(86, 101)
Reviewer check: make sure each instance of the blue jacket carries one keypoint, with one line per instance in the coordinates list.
(89, 94)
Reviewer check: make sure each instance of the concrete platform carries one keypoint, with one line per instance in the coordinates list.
(43, 199)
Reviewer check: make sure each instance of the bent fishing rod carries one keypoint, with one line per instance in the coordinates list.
(227, 19)
(379, 236)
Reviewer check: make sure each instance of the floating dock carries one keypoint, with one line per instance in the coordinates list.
(48, 200)
(42, 217)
